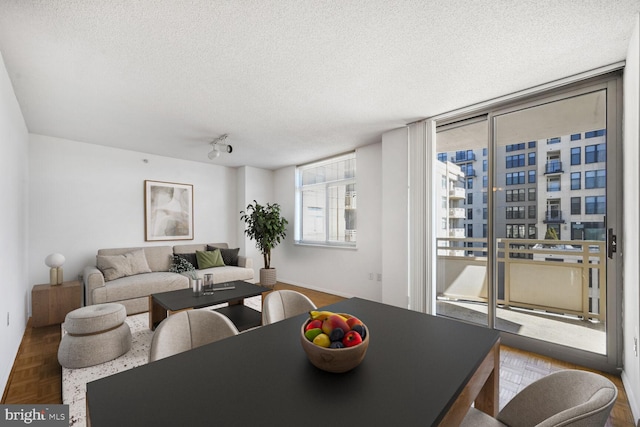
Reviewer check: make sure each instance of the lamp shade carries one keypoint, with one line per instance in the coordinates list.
(54, 260)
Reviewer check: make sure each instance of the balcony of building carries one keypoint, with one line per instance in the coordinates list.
(552, 292)
(553, 217)
(457, 213)
(553, 167)
(457, 193)
(463, 157)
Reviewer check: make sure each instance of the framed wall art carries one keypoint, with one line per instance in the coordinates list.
(168, 211)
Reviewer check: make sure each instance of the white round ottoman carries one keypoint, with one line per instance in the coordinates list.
(95, 334)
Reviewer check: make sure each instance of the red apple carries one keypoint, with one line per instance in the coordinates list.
(313, 325)
(351, 338)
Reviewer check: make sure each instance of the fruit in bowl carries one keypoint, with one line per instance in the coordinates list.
(334, 342)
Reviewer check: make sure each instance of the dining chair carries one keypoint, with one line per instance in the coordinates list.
(280, 305)
(564, 398)
(187, 330)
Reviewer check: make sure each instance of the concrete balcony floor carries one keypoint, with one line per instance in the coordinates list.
(561, 329)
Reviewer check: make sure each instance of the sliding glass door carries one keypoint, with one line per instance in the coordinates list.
(527, 208)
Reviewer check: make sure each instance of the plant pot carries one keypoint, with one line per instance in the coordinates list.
(268, 276)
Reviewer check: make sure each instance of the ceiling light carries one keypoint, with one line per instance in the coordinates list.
(217, 146)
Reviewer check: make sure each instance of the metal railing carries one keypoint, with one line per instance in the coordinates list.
(559, 276)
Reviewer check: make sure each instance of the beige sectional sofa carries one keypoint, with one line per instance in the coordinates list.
(129, 275)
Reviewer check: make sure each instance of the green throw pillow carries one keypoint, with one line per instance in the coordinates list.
(209, 259)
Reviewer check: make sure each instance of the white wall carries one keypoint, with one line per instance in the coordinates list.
(395, 218)
(339, 271)
(631, 235)
(13, 233)
(85, 197)
(254, 184)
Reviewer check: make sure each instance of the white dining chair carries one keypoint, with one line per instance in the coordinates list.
(280, 305)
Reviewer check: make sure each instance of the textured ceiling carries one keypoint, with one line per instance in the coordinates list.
(289, 81)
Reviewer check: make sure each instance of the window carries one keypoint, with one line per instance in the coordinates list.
(595, 133)
(469, 215)
(576, 137)
(469, 198)
(533, 232)
(595, 153)
(515, 212)
(484, 165)
(515, 161)
(595, 179)
(485, 181)
(594, 205)
(532, 159)
(469, 230)
(469, 183)
(575, 156)
(326, 202)
(532, 144)
(555, 140)
(575, 180)
(576, 206)
(532, 177)
(553, 183)
(532, 194)
(515, 178)
(484, 197)
(515, 231)
(532, 211)
(484, 214)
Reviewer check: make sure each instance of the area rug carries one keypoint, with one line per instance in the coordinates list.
(74, 381)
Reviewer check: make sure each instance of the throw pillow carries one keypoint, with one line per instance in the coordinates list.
(209, 259)
(229, 256)
(116, 266)
(191, 258)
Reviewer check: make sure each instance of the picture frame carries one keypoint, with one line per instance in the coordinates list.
(168, 211)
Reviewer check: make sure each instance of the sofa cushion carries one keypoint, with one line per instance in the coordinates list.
(209, 259)
(128, 264)
(158, 257)
(229, 256)
(227, 273)
(141, 285)
(191, 258)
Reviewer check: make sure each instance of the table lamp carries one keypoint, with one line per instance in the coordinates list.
(55, 261)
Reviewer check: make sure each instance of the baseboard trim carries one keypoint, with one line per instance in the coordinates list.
(631, 398)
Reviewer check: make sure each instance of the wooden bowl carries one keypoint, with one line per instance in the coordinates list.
(336, 360)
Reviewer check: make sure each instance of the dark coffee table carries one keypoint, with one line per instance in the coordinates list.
(166, 303)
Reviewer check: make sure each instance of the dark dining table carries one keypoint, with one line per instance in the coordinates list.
(419, 370)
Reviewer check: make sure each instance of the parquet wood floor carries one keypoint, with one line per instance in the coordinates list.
(36, 377)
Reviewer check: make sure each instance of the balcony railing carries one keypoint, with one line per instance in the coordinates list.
(468, 157)
(553, 217)
(457, 193)
(458, 213)
(456, 232)
(565, 277)
(553, 167)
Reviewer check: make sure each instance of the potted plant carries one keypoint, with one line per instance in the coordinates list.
(265, 225)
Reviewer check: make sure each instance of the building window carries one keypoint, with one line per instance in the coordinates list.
(469, 198)
(532, 159)
(595, 133)
(485, 181)
(533, 232)
(532, 144)
(470, 230)
(594, 205)
(484, 197)
(442, 157)
(555, 140)
(469, 215)
(485, 151)
(516, 161)
(595, 179)
(532, 211)
(553, 183)
(444, 202)
(595, 153)
(484, 214)
(532, 177)
(326, 202)
(515, 212)
(515, 178)
(515, 231)
(532, 194)
(575, 180)
(576, 137)
(576, 205)
(469, 183)
(575, 156)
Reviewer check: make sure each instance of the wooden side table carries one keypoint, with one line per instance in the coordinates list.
(51, 303)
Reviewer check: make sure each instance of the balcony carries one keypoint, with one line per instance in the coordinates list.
(457, 213)
(553, 167)
(554, 292)
(462, 158)
(553, 217)
(456, 232)
(457, 193)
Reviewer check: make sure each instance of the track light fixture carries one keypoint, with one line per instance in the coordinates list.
(217, 146)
